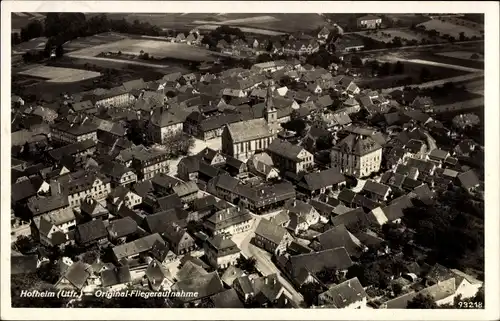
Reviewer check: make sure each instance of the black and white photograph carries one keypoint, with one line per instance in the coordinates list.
(239, 160)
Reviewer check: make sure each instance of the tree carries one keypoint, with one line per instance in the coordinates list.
(329, 275)
(247, 264)
(296, 125)
(424, 74)
(59, 51)
(265, 57)
(33, 30)
(25, 244)
(90, 257)
(356, 61)
(399, 68)
(461, 36)
(15, 38)
(396, 42)
(422, 302)
(310, 291)
(374, 65)
(385, 69)
(179, 144)
(31, 282)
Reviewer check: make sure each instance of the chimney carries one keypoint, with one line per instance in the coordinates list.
(274, 281)
(266, 280)
(286, 300)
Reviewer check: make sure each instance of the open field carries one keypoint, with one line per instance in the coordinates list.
(244, 29)
(285, 22)
(387, 35)
(256, 19)
(156, 48)
(404, 19)
(461, 55)
(59, 75)
(95, 40)
(444, 27)
(33, 44)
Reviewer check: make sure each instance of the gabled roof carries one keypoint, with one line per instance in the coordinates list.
(316, 261)
(339, 236)
(138, 246)
(270, 231)
(469, 179)
(118, 275)
(357, 145)
(285, 149)
(91, 231)
(248, 130)
(376, 188)
(122, 227)
(346, 293)
(77, 274)
(227, 299)
(206, 285)
(352, 217)
(160, 222)
(322, 179)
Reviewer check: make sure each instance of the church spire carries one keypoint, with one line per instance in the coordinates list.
(269, 99)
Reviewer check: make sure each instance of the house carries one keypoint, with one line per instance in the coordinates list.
(121, 195)
(146, 162)
(313, 184)
(66, 132)
(75, 277)
(369, 22)
(270, 66)
(357, 155)
(303, 268)
(242, 139)
(48, 206)
(272, 238)
(304, 210)
(119, 174)
(323, 34)
(381, 215)
(159, 222)
(221, 251)
(187, 191)
(79, 151)
(422, 103)
(261, 164)
(265, 290)
(90, 209)
(231, 274)
(179, 240)
(205, 285)
(290, 157)
(226, 300)
(349, 43)
(340, 237)
(346, 295)
(232, 220)
(54, 231)
(469, 180)
(300, 47)
(132, 250)
(116, 278)
(163, 125)
(120, 228)
(78, 185)
(91, 232)
(157, 276)
(376, 191)
(438, 155)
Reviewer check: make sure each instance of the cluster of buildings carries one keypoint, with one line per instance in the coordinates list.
(92, 188)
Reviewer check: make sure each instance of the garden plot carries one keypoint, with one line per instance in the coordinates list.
(451, 29)
(59, 75)
(387, 35)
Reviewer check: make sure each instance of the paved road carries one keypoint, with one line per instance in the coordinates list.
(418, 46)
(264, 262)
(431, 142)
(440, 82)
(24, 230)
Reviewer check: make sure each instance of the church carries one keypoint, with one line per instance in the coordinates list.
(243, 139)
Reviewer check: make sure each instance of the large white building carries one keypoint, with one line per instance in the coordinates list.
(357, 155)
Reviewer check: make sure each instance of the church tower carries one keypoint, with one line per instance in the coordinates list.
(271, 114)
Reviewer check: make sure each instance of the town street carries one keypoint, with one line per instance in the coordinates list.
(264, 263)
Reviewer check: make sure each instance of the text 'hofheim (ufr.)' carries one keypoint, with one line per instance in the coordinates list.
(108, 294)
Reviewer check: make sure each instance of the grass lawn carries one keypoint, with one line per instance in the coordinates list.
(444, 27)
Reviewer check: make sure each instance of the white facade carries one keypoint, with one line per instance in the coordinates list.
(98, 191)
(359, 166)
